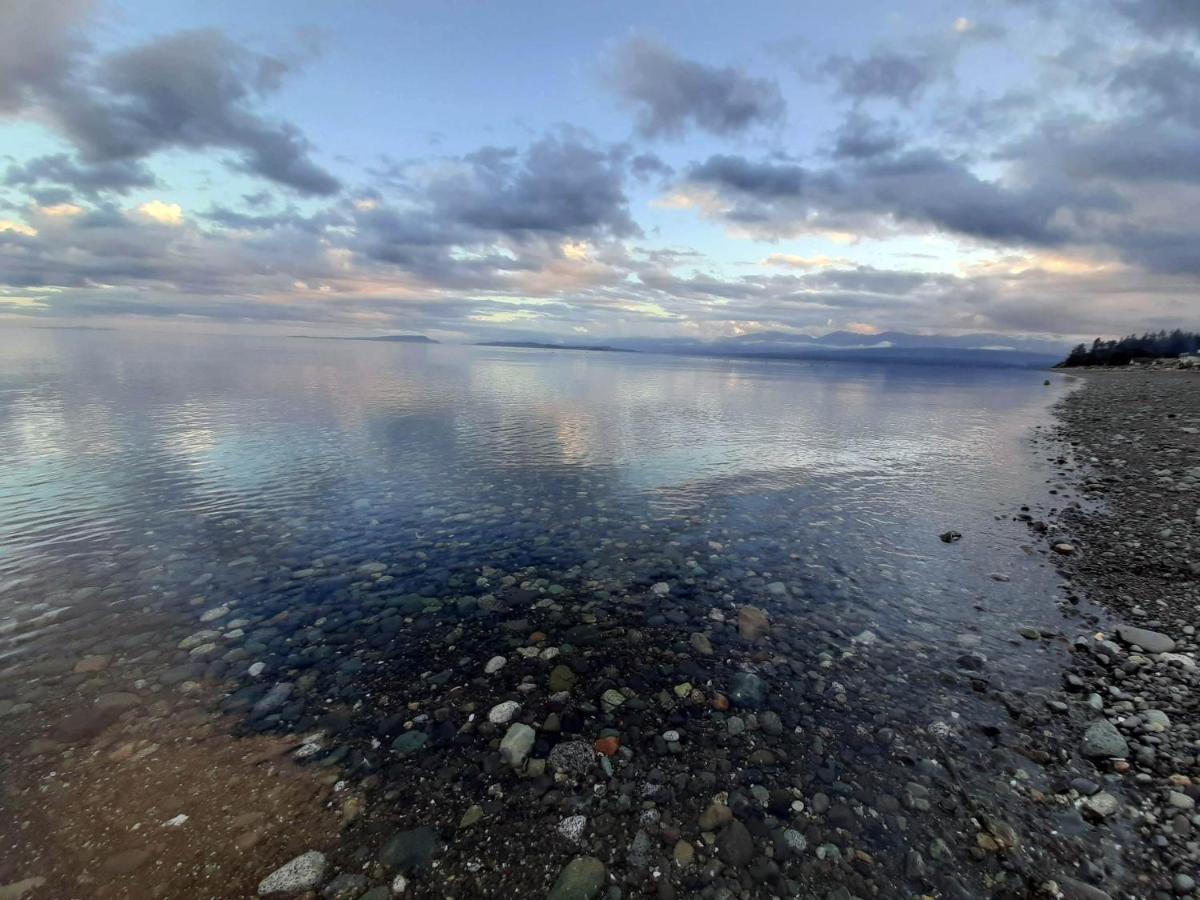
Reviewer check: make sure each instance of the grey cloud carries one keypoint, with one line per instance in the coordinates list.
(767, 180)
(671, 94)
(563, 186)
(1161, 17)
(645, 166)
(88, 179)
(920, 186)
(861, 137)
(194, 89)
(888, 74)
(37, 41)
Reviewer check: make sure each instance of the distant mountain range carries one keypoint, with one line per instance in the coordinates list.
(388, 338)
(538, 345)
(984, 348)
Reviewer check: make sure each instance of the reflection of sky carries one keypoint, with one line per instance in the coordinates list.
(103, 430)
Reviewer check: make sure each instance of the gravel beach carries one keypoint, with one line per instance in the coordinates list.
(1131, 546)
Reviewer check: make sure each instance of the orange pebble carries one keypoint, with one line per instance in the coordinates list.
(608, 746)
(537, 637)
(720, 701)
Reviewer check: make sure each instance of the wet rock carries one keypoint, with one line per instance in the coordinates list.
(747, 690)
(1101, 805)
(1102, 740)
(274, 699)
(472, 816)
(347, 886)
(752, 623)
(572, 828)
(561, 679)
(407, 851)
(410, 742)
(581, 879)
(1150, 641)
(735, 846)
(716, 815)
(574, 758)
(517, 744)
(503, 713)
(303, 873)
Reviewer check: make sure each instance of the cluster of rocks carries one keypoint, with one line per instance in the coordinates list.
(1134, 534)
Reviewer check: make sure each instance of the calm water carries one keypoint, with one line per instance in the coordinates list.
(343, 534)
(152, 462)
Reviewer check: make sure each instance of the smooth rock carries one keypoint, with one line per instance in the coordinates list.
(303, 873)
(1102, 740)
(581, 879)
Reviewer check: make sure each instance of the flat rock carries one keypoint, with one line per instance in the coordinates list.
(752, 623)
(581, 879)
(1150, 641)
(303, 873)
(409, 850)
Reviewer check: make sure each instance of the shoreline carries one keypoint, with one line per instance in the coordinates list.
(1134, 439)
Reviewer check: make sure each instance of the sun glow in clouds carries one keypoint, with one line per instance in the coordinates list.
(163, 213)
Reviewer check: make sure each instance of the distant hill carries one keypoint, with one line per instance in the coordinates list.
(538, 345)
(890, 346)
(387, 338)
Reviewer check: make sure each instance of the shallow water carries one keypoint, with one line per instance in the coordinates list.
(198, 453)
(352, 502)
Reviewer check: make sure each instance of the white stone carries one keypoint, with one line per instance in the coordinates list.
(502, 713)
(495, 664)
(517, 744)
(303, 873)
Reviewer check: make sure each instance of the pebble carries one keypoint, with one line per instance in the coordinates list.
(503, 713)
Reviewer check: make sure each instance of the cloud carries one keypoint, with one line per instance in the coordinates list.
(861, 137)
(888, 74)
(161, 212)
(671, 94)
(1161, 17)
(194, 90)
(88, 179)
(37, 43)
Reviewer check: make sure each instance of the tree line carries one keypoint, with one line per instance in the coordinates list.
(1151, 345)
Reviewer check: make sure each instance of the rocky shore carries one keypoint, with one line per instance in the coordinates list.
(642, 708)
(1133, 546)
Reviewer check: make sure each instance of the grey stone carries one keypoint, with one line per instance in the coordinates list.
(581, 879)
(409, 850)
(1150, 641)
(747, 690)
(517, 744)
(1102, 740)
(303, 873)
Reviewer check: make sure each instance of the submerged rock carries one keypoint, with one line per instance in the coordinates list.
(581, 879)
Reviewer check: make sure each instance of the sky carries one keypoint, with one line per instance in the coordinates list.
(591, 171)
